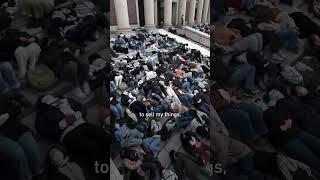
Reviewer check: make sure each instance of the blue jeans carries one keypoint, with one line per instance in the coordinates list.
(23, 155)
(158, 109)
(113, 86)
(205, 108)
(8, 79)
(242, 170)
(244, 75)
(117, 110)
(152, 144)
(186, 99)
(305, 148)
(247, 119)
(184, 120)
(289, 36)
(186, 85)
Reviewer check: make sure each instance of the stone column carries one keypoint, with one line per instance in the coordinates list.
(167, 13)
(156, 12)
(192, 12)
(209, 14)
(149, 14)
(121, 9)
(205, 11)
(199, 11)
(182, 12)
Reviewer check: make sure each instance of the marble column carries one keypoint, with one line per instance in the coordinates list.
(199, 11)
(205, 11)
(192, 12)
(167, 13)
(182, 12)
(149, 14)
(121, 9)
(156, 12)
(209, 14)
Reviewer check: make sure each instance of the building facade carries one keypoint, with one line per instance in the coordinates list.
(127, 14)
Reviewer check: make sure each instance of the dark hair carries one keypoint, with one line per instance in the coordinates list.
(172, 154)
(49, 167)
(93, 57)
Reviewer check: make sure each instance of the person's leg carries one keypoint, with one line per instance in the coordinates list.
(256, 117)
(184, 120)
(34, 51)
(21, 55)
(15, 154)
(246, 166)
(184, 100)
(113, 86)
(83, 73)
(152, 143)
(8, 78)
(70, 73)
(298, 150)
(240, 122)
(244, 73)
(186, 85)
(120, 110)
(205, 108)
(4, 86)
(290, 36)
(311, 141)
(115, 112)
(31, 150)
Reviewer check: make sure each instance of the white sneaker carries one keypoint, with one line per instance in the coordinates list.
(79, 93)
(86, 88)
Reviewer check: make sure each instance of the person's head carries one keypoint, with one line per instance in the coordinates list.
(56, 156)
(300, 91)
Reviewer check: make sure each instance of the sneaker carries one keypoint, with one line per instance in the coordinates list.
(79, 93)
(86, 88)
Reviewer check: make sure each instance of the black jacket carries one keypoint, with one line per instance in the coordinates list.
(276, 117)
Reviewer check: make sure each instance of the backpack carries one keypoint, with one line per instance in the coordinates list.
(41, 78)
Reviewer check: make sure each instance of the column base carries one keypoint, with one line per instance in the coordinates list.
(150, 27)
(124, 30)
(167, 26)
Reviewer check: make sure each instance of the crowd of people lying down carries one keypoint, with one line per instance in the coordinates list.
(37, 64)
(269, 102)
(202, 27)
(157, 87)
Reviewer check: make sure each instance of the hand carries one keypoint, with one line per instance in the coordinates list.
(31, 40)
(4, 118)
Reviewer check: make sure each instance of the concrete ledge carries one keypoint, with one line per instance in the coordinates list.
(197, 36)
